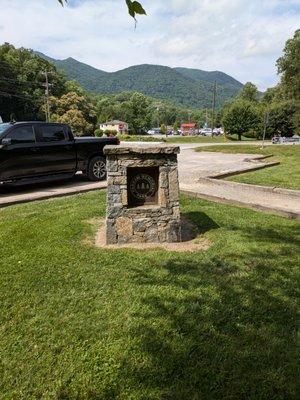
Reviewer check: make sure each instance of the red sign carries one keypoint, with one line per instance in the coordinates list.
(188, 126)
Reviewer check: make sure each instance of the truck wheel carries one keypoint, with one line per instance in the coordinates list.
(96, 170)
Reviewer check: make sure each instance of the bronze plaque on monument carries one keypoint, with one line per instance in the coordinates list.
(142, 186)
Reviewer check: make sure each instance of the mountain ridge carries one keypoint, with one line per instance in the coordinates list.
(187, 87)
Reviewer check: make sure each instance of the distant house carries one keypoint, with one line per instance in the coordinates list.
(188, 129)
(115, 125)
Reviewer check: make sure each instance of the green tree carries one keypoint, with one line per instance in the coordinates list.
(249, 92)
(273, 94)
(76, 120)
(283, 118)
(241, 117)
(136, 112)
(22, 83)
(76, 110)
(289, 67)
(73, 86)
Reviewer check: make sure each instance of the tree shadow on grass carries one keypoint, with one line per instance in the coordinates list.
(218, 329)
(203, 222)
(288, 236)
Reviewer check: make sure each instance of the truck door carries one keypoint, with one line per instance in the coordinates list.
(57, 150)
(19, 157)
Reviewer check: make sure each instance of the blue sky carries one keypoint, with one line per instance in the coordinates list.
(240, 37)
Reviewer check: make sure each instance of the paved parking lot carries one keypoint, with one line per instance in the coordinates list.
(192, 166)
(24, 194)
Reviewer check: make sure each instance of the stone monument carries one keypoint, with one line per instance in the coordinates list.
(142, 194)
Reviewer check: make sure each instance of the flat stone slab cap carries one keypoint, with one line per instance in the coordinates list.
(141, 149)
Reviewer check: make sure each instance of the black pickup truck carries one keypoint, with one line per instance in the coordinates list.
(38, 151)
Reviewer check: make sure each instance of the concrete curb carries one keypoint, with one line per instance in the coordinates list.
(243, 170)
(245, 186)
(258, 207)
(269, 209)
(28, 198)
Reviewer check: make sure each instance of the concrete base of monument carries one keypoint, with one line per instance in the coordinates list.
(191, 240)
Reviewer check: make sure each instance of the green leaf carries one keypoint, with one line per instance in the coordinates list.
(130, 9)
(134, 7)
(138, 9)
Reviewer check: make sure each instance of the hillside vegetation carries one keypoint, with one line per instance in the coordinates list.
(183, 86)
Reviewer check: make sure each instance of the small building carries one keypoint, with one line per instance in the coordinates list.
(115, 125)
(188, 129)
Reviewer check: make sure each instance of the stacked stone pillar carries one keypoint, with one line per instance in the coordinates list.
(142, 194)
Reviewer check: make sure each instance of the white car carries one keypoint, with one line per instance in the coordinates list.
(217, 131)
(154, 131)
(206, 132)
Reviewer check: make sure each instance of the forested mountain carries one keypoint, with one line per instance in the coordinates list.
(183, 86)
(209, 76)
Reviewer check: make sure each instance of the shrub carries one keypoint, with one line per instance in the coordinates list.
(98, 132)
(110, 132)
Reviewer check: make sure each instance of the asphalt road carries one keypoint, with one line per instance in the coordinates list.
(192, 166)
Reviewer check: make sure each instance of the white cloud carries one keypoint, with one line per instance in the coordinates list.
(242, 38)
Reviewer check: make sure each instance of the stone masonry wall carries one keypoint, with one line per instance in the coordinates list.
(147, 223)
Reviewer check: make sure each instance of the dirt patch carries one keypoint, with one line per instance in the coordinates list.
(95, 223)
(191, 240)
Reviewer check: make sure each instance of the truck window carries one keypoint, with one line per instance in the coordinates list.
(22, 134)
(52, 133)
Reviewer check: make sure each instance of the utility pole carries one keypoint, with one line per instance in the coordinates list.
(47, 105)
(266, 121)
(213, 107)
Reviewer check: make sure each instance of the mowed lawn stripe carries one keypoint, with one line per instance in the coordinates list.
(79, 322)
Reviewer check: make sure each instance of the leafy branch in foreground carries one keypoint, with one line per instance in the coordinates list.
(134, 7)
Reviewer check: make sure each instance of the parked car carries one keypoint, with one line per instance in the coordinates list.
(217, 131)
(206, 132)
(154, 131)
(37, 151)
(277, 139)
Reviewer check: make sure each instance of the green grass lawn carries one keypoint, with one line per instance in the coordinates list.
(205, 139)
(180, 139)
(83, 323)
(285, 175)
(196, 139)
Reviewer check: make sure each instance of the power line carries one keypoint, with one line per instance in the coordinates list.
(6, 94)
(14, 81)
